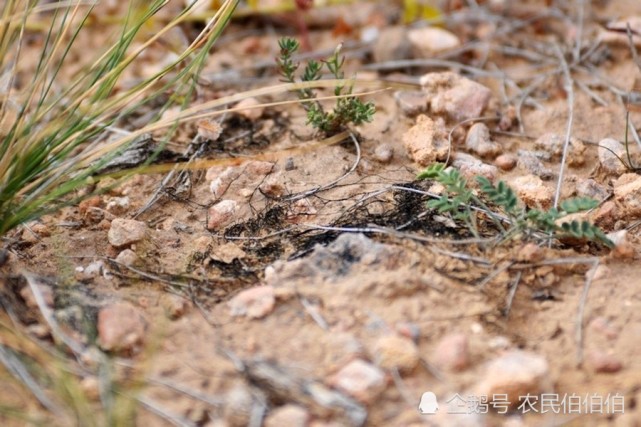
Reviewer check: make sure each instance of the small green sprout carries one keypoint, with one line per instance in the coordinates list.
(349, 109)
(458, 201)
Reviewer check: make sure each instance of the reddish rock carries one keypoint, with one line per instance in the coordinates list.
(250, 108)
(458, 97)
(254, 303)
(452, 353)
(478, 141)
(361, 380)
(124, 232)
(288, 415)
(515, 373)
(393, 351)
(221, 214)
(426, 141)
(602, 362)
(428, 41)
(121, 328)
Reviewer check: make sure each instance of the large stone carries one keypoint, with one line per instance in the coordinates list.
(124, 232)
(458, 97)
(452, 352)
(254, 303)
(533, 192)
(426, 141)
(516, 373)
(627, 193)
(396, 352)
(221, 214)
(611, 152)
(428, 41)
(478, 141)
(121, 328)
(288, 415)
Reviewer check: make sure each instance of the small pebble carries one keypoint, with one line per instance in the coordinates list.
(221, 214)
(602, 362)
(384, 153)
(506, 162)
(361, 380)
(255, 303)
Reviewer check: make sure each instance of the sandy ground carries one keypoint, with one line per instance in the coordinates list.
(424, 315)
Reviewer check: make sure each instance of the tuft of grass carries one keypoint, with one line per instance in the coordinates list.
(458, 201)
(347, 110)
(53, 122)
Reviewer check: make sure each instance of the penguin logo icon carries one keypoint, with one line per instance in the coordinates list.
(429, 404)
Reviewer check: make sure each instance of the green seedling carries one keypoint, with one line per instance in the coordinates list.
(506, 210)
(348, 109)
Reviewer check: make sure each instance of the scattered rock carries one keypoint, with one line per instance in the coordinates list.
(175, 306)
(90, 272)
(331, 263)
(478, 141)
(553, 144)
(361, 380)
(118, 205)
(127, 257)
(227, 253)
(393, 351)
(533, 192)
(121, 328)
(238, 406)
(392, 45)
(272, 189)
(452, 352)
(209, 129)
(592, 189)
(257, 168)
(458, 97)
(426, 142)
(412, 102)
(384, 153)
(220, 181)
(428, 41)
(470, 167)
(34, 231)
(610, 152)
(530, 162)
(606, 215)
(249, 109)
(602, 362)
(288, 415)
(255, 303)
(124, 232)
(515, 373)
(221, 214)
(627, 193)
(506, 162)
(87, 204)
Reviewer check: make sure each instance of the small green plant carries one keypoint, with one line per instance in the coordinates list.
(458, 200)
(349, 109)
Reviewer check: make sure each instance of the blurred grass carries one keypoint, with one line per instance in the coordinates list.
(50, 123)
(55, 113)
